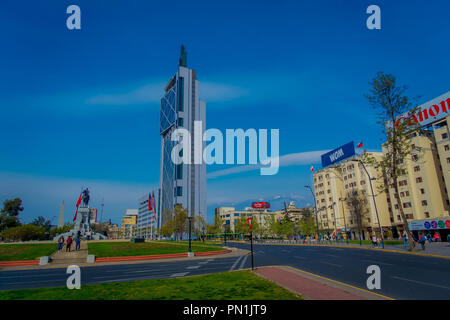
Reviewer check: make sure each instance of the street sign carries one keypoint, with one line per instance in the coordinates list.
(250, 220)
(338, 154)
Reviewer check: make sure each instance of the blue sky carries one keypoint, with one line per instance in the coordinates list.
(81, 108)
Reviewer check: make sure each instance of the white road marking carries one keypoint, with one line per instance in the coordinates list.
(332, 255)
(332, 264)
(299, 257)
(235, 263)
(193, 267)
(420, 282)
(181, 274)
(243, 262)
(379, 262)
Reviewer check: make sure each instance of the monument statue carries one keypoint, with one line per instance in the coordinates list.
(82, 227)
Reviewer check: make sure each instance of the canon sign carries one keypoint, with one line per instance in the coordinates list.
(429, 112)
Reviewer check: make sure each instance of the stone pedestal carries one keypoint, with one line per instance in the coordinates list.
(82, 225)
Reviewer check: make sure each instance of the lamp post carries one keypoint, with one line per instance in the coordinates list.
(189, 219)
(335, 225)
(345, 224)
(315, 208)
(373, 199)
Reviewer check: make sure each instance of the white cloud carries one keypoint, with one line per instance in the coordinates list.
(152, 93)
(292, 159)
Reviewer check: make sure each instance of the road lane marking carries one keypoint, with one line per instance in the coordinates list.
(378, 262)
(180, 274)
(332, 255)
(193, 267)
(299, 257)
(235, 263)
(332, 264)
(420, 282)
(243, 262)
(203, 262)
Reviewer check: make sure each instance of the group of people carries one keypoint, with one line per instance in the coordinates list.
(69, 242)
(423, 238)
(376, 241)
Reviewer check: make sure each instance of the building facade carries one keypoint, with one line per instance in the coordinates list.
(181, 107)
(148, 220)
(129, 224)
(341, 189)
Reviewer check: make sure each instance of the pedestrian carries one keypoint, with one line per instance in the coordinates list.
(379, 242)
(374, 240)
(405, 240)
(429, 237)
(68, 243)
(60, 243)
(422, 240)
(77, 244)
(436, 237)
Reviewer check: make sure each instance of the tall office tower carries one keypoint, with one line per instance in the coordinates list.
(183, 184)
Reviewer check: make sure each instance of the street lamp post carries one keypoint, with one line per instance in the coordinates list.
(190, 219)
(335, 225)
(373, 198)
(345, 224)
(315, 208)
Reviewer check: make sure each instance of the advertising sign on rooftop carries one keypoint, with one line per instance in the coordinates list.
(338, 154)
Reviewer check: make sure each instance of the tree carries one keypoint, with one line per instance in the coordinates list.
(9, 215)
(218, 224)
(390, 101)
(24, 233)
(66, 227)
(175, 221)
(306, 224)
(357, 204)
(241, 225)
(42, 222)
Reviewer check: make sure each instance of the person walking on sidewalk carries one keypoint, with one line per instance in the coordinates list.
(405, 240)
(374, 240)
(422, 240)
(60, 243)
(77, 244)
(68, 243)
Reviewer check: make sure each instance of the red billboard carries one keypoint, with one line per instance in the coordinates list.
(260, 205)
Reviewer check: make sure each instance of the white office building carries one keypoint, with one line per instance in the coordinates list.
(183, 184)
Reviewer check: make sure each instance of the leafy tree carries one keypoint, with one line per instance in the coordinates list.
(9, 215)
(42, 222)
(175, 221)
(272, 226)
(218, 224)
(60, 230)
(307, 224)
(24, 233)
(357, 204)
(390, 101)
(242, 226)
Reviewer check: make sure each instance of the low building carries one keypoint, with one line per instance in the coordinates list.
(129, 223)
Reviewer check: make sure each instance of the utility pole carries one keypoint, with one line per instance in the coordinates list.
(101, 214)
(315, 208)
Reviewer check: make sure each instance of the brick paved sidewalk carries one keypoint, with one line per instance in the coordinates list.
(313, 287)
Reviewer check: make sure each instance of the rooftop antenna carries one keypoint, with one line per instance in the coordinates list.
(183, 57)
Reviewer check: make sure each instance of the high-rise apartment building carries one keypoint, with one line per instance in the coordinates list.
(181, 106)
(338, 186)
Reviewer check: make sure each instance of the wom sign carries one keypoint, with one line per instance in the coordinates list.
(428, 112)
(338, 154)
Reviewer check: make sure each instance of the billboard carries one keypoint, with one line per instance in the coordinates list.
(428, 112)
(432, 224)
(260, 205)
(338, 154)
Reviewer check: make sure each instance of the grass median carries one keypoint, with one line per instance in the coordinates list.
(29, 251)
(123, 249)
(235, 285)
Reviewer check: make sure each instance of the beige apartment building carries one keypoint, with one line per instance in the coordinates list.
(335, 185)
(230, 215)
(422, 189)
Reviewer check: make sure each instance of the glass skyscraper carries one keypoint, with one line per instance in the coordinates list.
(183, 184)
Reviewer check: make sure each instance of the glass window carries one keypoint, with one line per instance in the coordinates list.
(180, 94)
(179, 191)
(179, 171)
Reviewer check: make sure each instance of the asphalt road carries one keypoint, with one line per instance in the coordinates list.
(403, 276)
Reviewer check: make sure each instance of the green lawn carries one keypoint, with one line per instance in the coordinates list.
(31, 251)
(121, 249)
(235, 285)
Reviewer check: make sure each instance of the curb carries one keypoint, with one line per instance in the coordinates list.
(159, 256)
(19, 263)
